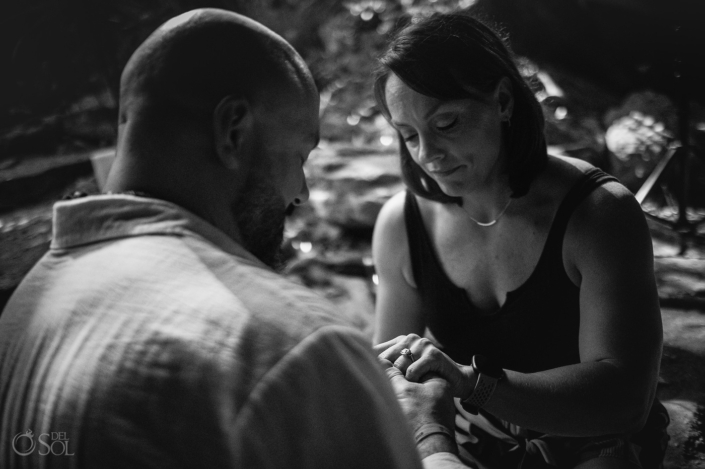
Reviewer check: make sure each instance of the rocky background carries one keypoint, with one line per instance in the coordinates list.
(613, 76)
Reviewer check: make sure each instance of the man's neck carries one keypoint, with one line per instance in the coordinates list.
(215, 212)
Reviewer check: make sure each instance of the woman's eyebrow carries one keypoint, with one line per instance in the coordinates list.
(398, 124)
(426, 115)
(433, 109)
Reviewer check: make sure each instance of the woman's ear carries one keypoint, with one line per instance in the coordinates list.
(232, 127)
(505, 98)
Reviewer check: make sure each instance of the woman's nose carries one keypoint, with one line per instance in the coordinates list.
(428, 152)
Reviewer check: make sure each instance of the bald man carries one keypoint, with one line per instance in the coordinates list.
(155, 332)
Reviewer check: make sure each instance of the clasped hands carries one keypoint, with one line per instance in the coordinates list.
(427, 360)
(425, 386)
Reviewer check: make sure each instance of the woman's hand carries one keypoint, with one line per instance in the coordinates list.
(427, 359)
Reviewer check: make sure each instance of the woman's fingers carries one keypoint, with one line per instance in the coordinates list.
(403, 363)
(416, 356)
(395, 346)
(379, 348)
(429, 365)
(435, 362)
(430, 361)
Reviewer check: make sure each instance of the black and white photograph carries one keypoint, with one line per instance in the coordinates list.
(376, 234)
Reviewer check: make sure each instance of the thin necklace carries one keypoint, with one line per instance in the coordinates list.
(490, 223)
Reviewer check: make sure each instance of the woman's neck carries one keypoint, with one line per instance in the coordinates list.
(488, 204)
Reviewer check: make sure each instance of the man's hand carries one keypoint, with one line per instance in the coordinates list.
(428, 401)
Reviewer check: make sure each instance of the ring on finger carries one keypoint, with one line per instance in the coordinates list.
(407, 353)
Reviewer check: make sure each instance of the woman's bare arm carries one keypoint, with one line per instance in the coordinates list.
(608, 249)
(611, 390)
(398, 307)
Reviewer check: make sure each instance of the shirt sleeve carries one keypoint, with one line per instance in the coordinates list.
(327, 403)
(442, 461)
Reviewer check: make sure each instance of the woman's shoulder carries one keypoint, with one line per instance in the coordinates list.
(607, 215)
(563, 173)
(391, 216)
(607, 199)
(390, 245)
(390, 227)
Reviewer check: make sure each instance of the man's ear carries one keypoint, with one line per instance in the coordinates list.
(232, 128)
(505, 98)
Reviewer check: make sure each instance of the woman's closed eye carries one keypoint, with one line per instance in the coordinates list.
(444, 126)
(410, 138)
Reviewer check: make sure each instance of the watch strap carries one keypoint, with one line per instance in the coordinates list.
(488, 374)
(484, 388)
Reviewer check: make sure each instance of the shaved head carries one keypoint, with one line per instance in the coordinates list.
(195, 59)
(217, 115)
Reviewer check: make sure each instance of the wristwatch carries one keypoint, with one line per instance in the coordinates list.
(488, 375)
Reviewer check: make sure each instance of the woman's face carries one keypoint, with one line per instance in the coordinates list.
(459, 142)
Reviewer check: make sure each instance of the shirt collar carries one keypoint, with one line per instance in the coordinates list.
(97, 218)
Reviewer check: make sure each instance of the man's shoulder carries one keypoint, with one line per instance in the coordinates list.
(285, 305)
(281, 322)
(274, 304)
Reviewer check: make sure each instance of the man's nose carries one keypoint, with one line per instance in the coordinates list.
(303, 195)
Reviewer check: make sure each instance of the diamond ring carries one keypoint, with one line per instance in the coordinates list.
(407, 353)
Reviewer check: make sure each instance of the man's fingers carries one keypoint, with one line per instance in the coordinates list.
(431, 376)
(394, 373)
(385, 363)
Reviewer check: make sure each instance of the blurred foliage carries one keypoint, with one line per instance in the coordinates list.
(64, 57)
(62, 61)
(345, 67)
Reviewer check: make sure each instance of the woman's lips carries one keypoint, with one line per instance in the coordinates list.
(444, 173)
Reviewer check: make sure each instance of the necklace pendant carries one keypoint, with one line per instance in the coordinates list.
(490, 223)
(486, 224)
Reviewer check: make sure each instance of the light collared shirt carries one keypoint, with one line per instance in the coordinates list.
(146, 337)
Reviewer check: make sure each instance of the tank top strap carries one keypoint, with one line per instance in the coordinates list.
(419, 243)
(590, 181)
(425, 264)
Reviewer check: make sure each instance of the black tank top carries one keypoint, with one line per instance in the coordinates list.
(536, 328)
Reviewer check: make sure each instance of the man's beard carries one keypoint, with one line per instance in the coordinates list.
(260, 218)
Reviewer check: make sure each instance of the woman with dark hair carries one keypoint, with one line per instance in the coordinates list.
(524, 279)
